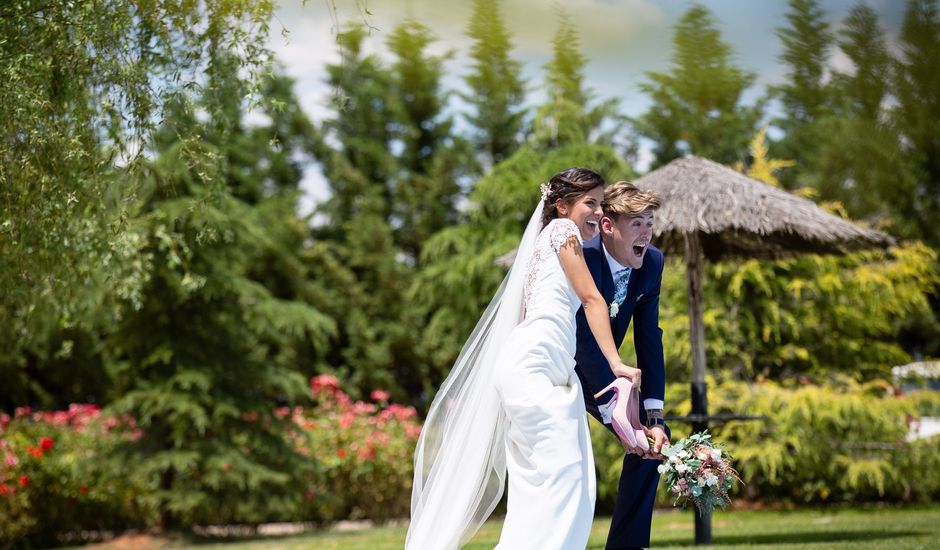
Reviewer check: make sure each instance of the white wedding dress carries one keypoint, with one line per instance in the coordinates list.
(548, 446)
(511, 404)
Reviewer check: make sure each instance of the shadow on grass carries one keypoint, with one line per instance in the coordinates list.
(795, 538)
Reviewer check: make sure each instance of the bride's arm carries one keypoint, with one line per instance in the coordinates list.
(571, 256)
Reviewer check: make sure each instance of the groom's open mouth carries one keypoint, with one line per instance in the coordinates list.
(639, 249)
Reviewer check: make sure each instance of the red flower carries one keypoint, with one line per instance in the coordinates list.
(4, 490)
(24, 480)
(83, 489)
(46, 443)
(34, 451)
(341, 453)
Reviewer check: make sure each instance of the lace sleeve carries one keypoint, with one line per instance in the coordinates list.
(560, 230)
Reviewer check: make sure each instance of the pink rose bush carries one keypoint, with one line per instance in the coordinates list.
(51, 477)
(59, 475)
(363, 451)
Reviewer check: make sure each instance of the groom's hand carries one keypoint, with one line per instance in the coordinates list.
(658, 434)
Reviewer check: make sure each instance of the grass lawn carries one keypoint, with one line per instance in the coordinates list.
(855, 528)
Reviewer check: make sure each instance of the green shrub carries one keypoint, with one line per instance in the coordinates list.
(845, 443)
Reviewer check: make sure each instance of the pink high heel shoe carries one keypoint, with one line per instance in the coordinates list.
(633, 415)
(625, 415)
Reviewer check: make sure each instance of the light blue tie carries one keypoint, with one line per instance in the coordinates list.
(621, 278)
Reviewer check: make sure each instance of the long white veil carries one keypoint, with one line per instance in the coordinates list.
(460, 459)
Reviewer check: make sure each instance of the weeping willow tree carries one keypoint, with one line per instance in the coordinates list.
(82, 85)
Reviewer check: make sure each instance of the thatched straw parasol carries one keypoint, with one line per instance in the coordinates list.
(710, 211)
(737, 216)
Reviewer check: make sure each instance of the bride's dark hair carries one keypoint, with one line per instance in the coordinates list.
(566, 186)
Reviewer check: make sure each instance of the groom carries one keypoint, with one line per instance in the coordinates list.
(628, 271)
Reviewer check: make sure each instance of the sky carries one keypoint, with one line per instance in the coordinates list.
(621, 40)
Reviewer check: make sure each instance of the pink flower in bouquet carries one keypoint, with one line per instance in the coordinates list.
(380, 395)
(11, 460)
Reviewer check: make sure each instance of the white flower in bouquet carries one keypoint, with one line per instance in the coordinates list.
(698, 472)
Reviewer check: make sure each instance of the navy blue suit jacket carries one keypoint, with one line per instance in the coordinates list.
(642, 306)
(633, 510)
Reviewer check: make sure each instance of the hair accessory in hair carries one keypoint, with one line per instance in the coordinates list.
(545, 190)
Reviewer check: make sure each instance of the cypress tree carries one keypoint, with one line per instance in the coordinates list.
(567, 117)
(497, 88)
(432, 159)
(805, 95)
(916, 115)
(208, 349)
(696, 102)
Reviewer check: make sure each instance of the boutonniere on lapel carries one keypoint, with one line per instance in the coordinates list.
(613, 309)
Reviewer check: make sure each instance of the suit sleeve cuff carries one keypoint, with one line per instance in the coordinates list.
(654, 404)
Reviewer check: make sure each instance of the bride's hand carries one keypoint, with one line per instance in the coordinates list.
(631, 373)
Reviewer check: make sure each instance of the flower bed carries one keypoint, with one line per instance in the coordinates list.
(58, 477)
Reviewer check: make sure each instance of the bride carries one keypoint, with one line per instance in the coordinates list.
(512, 401)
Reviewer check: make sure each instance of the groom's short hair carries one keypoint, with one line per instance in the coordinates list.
(624, 198)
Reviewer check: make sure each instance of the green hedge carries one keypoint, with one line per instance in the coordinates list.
(845, 443)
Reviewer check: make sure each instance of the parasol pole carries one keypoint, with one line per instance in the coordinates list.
(694, 273)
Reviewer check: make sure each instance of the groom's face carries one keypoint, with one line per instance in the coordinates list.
(627, 238)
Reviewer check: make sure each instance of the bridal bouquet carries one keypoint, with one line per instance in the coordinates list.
(697, 471)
